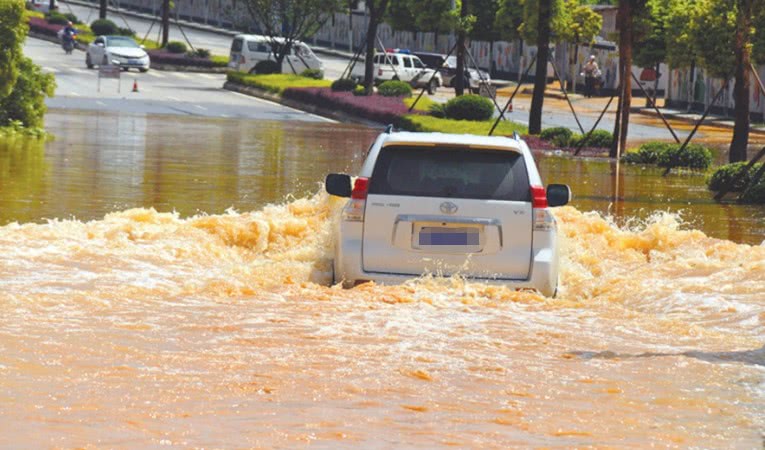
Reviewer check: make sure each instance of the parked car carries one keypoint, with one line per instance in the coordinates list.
(249, 49)
(400, 66)
(117, 50)
(42, 6)
(448, 204)
(447, 67)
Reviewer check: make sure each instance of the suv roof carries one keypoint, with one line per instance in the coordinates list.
(466, 140)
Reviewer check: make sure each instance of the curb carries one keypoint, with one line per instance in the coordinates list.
(721, 122)
(312, 109)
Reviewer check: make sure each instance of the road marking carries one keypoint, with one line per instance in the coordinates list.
(154, 73)
(200, 107)
(250, 97)
(173, 99)
(74, 94)
(100, 103)
(181, 75)
(208, 76)
(79, 70)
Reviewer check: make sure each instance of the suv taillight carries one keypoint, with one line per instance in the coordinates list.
(360, 187)
(354, 210)
(543, 219)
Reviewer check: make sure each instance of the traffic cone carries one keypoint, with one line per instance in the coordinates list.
(135, 85)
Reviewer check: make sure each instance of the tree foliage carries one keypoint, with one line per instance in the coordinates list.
(571, 21)
(13, 31)
(291, 20)
(422, 15)
(26, 102)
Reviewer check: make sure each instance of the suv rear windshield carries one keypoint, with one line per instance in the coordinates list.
(456, 172)
(236, 45)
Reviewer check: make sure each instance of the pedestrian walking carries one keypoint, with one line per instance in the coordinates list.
(591, 73)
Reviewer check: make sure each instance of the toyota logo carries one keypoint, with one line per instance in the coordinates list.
(448, 208)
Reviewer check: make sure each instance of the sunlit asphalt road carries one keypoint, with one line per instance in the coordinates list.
(158, 92)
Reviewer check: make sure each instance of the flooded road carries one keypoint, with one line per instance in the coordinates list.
(148, 328)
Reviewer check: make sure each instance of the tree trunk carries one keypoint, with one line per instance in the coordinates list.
(375, 15)
(459, 83)
(740, 141)
(165, 22)
(540, 78)
(101, 9)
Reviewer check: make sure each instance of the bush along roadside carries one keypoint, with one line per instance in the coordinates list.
(734, 178)
(560, 138)
(665, 154)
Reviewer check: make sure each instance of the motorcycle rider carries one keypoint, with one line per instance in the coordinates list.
(69, 33)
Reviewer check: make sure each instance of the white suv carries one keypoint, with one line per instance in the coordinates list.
(448, 204)
(401, 66)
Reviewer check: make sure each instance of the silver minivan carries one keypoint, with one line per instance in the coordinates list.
(249, 49)
(447, 204)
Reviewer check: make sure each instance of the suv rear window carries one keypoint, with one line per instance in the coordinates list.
(450, 172)
(236, 45)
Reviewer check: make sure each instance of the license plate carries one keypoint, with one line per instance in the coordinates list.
(448, 236)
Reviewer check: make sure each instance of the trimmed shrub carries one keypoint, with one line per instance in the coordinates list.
(56, 18)
(394, 88)
(469, 107)
(164, 57)
(200, 53)
(598, 139)
(125, 32)
(266, 67)
(176, 47)
(103, 27)
(647, 153)
(359, 90)
(732, 176)
(343, 85)
(756, 193)
(694, 156)
(438, 110)
(558, 135)
(316, 74)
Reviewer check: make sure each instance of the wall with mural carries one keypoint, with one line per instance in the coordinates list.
(344, 31)
(696, 89)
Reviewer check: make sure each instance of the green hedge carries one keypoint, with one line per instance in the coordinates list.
(275, 83)
(559, 136)
(176, 47)
(316, 74)
(103, 27)
(732, 176)
(394, 88)
(598, 139)
(343, 85)
(665, 154)
(469, 107)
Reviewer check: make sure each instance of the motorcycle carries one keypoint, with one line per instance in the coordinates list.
(68, 41)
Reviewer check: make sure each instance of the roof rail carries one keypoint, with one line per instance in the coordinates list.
(516, 136)
(389, 128)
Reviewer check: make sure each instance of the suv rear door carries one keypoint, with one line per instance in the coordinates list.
(446, 210)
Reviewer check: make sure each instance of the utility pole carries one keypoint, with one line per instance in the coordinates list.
(540, 79)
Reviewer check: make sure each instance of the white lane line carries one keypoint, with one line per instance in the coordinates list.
(250, 97)
(208, 76)
(173, 99)
(154, 73)
(79, 70)
(74, 94)
(200, 107)
(181, 75)
(100, 103)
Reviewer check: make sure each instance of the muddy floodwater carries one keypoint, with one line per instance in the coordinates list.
(165, 281)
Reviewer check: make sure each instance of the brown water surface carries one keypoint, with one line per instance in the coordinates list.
(149, 328)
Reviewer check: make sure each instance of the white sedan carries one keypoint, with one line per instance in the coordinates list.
(117, 50)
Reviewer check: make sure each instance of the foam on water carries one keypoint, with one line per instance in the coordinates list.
(227, 311)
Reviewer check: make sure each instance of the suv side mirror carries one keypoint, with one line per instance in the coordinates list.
(338, 184)
(558, 194)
